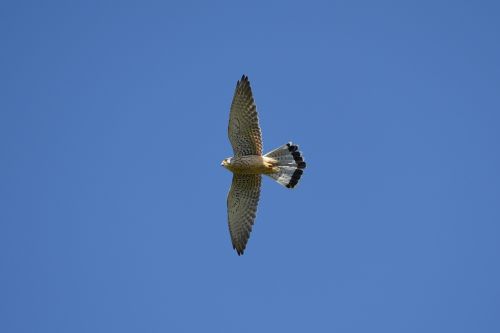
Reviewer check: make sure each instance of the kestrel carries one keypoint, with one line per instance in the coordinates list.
(284, 164)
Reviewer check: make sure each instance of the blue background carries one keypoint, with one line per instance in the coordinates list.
(113, 123)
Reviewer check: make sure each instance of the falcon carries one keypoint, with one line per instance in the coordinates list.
(284, 164)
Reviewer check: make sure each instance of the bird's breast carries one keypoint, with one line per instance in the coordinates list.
(252, 164)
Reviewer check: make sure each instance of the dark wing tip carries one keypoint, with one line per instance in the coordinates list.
(240, 248)
(243, 80)
(243, 83)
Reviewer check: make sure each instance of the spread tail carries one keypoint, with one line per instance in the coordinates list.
(290, 164)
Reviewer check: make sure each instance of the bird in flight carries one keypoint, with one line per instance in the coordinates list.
(284, 164)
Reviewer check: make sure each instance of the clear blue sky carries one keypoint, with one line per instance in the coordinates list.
(113, 123)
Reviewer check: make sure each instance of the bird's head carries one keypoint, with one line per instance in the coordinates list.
(226, 162)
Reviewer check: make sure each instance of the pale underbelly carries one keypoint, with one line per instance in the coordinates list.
(251, 165)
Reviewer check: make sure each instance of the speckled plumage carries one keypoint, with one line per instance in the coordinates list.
(244, 130)
(242, 203)
(284, 164)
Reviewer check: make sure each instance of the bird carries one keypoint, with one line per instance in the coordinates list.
(284, 164)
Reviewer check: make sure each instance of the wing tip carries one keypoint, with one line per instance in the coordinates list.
(239, 250)
(243, 81)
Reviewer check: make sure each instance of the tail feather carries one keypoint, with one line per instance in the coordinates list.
(290, 164)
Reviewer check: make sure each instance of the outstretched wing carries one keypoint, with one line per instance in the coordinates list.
(242, 203)
(244, 130)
